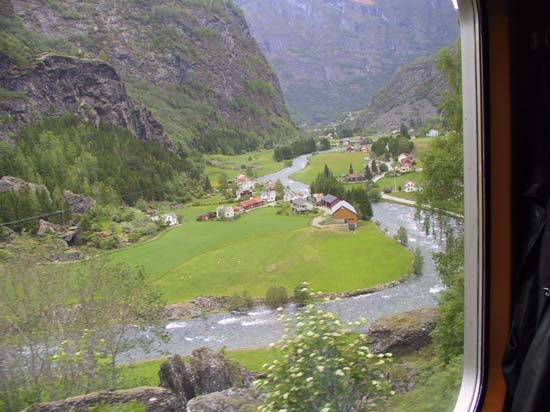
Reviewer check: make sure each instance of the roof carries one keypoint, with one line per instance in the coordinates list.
(251, 202)
(343, 204)
(328, 198)
(355, 175)
(299, 202)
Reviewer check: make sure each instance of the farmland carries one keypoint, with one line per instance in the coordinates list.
(337, 162)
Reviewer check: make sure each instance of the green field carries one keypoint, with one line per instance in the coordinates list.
(396, 182)
(337, 162)
(263, 249)
(261, 161)
(147, 373)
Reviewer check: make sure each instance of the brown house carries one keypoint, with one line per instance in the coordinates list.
(346, 212)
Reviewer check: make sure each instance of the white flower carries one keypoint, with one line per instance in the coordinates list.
(321, 368)
(339, 372)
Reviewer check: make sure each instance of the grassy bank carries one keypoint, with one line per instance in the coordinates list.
(263, 249)
(262, 162)
(399, 181)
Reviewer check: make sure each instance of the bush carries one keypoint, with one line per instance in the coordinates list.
(276, 296)
(241, 301)
(401, 236)
(322, 368)
(418, 263)
(302, 294)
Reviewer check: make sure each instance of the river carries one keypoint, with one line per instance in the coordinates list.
(260, 326)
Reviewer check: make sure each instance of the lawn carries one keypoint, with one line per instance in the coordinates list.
(399, 181)
(147, 373)
(337, 162)
(263, 249)
(261, 161)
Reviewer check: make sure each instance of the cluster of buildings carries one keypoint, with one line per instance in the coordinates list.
(167, 219)
(404, 163)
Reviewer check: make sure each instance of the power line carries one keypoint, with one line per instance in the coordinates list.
(57, 212)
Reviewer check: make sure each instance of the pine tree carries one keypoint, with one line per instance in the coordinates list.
(350, 169)
(374, 167)
(368, 173)
(326, 171)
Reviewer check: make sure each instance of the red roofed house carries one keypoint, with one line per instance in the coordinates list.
(251, 203)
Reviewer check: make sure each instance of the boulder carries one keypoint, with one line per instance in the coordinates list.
(231, 400)
(79, 204)
(14, 184)
(213, 372)
(403, 333)
(45, 227)
(155, 399)
(205, 372)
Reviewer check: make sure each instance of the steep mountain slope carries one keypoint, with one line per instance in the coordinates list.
(192, 62)
(411, 97)
(333, 55)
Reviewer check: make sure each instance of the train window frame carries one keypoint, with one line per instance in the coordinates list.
(471, 391)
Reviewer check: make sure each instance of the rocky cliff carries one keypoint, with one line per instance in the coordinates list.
(333, 55)
(54, 86)
(411, 97)
(193, 63)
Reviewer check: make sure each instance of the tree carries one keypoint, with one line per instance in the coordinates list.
(322, 367)
(222, 181)
(276, 296)
(324, 144)
(302, 294)
(280, 189)
(368, 173)
(403, 131)
(449, 62)
(360, 199)
(374, 194)
(65, 326)
(241, 301)
(401, 236)
(418, 263)
(350, 171)
(326, 171)
(383, 167)
(374, 167)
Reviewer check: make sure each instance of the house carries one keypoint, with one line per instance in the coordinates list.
(251, 204)
(269, 197)
(167, 219)
(350, 149)
(432, 133)
(271, 185)
(329, 200)
(356, 177)
(317, 197)
(402, 157)
(409, 187)
(289, 196)
(301, 205)
(346, 212)
(225, 212)
(244, 183)
(404, 165)
(244, 192)
(237, 210)
(204, 218)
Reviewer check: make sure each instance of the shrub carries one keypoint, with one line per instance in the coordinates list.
(322, 368)
(241, 301)
(302, 294)
(276, 296)
(401, 236)
(418, 263)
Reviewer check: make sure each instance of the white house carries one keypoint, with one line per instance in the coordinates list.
(301, 205)
(168, 219)
(409, 187)
(289, 196)
(225, 212)
(432, 133)
(269, 197)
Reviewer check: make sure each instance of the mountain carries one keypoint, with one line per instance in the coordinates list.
(193, 63)
(411, 97)
(331, 56)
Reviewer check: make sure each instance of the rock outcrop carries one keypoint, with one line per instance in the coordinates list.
(17, 185)
(412, 96)
(403, 333)
(205, 372)
(231, 400)
(57, 85)
(195, 64)
(79, 204)
(155, 399)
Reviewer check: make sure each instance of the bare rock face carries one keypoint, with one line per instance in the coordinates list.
(45, 227)
(14, 184)
(174, 375)
(79, 204)
(403, 333)
(57, 85)
(156, 400)
(231, 400)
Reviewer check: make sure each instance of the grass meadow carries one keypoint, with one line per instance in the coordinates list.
(263, 249)
(337, 162)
